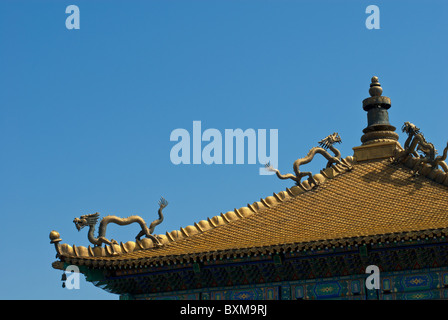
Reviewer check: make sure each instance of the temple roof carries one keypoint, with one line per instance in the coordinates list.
(376, 201)
(383, 193)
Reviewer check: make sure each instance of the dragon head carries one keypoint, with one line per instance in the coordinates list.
(410, 128)
(330, 140)
(86, 220)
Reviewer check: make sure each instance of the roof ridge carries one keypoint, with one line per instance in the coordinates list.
(210, 223)
(424, 169)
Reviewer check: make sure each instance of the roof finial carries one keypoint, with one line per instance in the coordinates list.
(375, 88)
(378, 126)
(379, 140)
(376, 100)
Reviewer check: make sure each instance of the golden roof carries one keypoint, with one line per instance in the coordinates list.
(376, 201)
(383, 193)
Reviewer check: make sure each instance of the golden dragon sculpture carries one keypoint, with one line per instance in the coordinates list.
(324, 144)
(92, 219)
(416, 143)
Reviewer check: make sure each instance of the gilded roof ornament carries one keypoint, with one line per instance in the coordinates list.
(324, 144)
(92, 219)
(378, 127)
(424, 151)
(375, 87)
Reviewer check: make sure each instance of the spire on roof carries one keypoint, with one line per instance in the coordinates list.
(378, 127)
(379, 139)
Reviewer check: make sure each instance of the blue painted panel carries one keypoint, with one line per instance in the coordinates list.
(327, 290)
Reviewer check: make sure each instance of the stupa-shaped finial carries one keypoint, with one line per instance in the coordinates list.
(378, 126)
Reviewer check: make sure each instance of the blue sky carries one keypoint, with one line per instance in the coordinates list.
(86, 115)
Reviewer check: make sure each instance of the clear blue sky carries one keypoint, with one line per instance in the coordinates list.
(86, 115)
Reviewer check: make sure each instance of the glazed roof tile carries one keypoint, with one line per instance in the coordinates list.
(375, 201)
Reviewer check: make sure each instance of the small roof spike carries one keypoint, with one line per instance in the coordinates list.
(375, 87)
